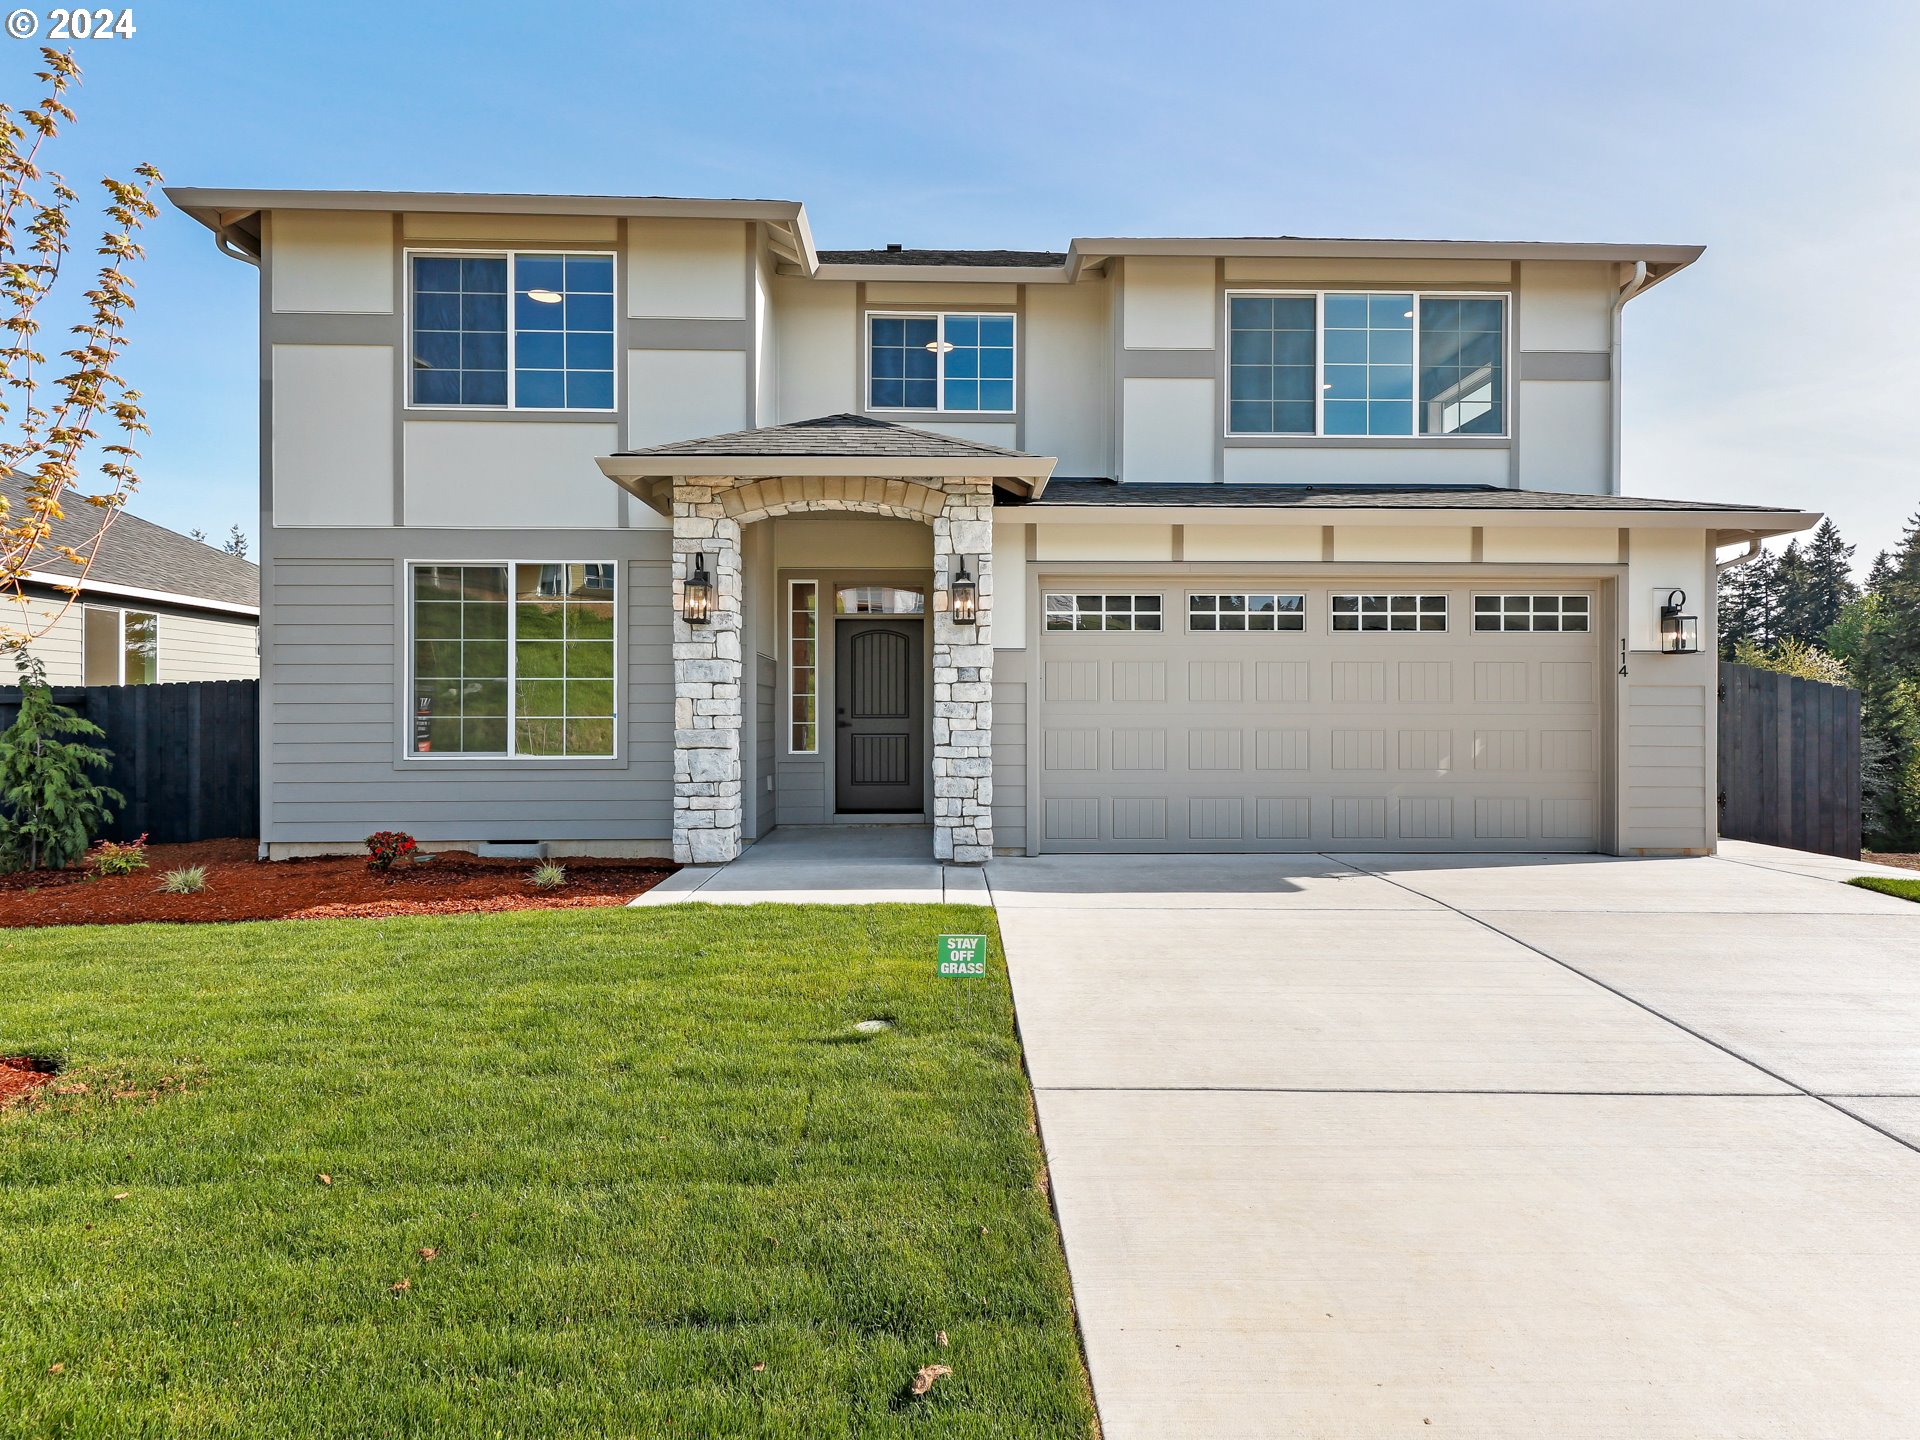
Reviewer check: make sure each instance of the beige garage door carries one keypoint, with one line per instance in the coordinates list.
(1263, 716)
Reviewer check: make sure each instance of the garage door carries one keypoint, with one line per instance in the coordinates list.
(1268, 717)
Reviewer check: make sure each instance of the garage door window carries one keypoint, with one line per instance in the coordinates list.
(1246, 612)
(1103, 612)
(1530, 612)
(1389, 612)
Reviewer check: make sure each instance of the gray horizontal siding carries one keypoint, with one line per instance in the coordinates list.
(1009, 764)
(335, 700)
(800, 791)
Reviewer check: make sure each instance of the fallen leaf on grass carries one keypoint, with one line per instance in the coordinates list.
(325, 1179)
(74, 1089)
(759, 1365)
(401, 1286)
(123, 1195)
(941, 1336)
(428, 1253)
(55, 1368)
(923, 1382)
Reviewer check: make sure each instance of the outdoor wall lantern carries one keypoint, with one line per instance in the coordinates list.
(696, 598)
(1679, 634)
(964, 607)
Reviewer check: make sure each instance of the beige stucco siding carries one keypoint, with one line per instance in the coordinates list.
(203, 647)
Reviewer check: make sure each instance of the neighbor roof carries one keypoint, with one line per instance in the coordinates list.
(984, 258)
(138, 555)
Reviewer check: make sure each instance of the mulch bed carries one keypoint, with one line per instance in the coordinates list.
(1905, 862)
(239, 887)
(21, 1074)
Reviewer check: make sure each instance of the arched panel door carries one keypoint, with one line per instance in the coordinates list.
(879, 724)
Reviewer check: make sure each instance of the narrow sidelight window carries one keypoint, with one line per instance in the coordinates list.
(803, 666)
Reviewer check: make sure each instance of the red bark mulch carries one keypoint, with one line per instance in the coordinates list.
(20, 1074)
(1907, 862)
(240, 887)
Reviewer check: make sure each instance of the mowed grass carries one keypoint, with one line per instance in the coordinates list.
(1889, 885)
(649, 1149)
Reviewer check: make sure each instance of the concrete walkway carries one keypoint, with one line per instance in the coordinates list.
(1361, 1146)
(829, 865)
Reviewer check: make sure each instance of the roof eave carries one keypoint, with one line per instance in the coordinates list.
(961, 274)
(1733, 525)
(1667, 258)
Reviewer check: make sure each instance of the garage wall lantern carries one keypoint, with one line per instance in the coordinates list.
(964, 606)
(696, 597)
(1679, 634)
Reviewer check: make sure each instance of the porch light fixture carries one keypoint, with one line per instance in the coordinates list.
(545, 297)
(964, 606)
(696, 597)
(1679, 634)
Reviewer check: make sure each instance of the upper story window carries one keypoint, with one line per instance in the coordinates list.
(1366, 364)
(940, 362)
(523, 330)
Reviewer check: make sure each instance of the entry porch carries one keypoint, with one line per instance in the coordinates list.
(854, 684)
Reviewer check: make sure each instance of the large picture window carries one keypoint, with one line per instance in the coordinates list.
(1350, 363)
(521, 330)
(940, 362)
(513, 660)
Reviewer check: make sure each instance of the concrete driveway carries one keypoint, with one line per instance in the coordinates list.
(1364, 1146)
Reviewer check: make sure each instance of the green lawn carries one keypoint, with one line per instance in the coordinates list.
(1889, 885)
(648, 1146)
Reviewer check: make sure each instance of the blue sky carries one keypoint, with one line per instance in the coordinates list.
(1782, 369)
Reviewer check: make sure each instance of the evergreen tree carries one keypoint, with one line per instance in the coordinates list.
(50, 803)
(1879, 573)
(1749, 604)
(1815, 585)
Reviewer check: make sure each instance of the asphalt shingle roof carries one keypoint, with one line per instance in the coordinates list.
(141, 554)
(836, 435)
(903, 256)
(1064, 493)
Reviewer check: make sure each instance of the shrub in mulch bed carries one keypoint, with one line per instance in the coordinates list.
(239, 887)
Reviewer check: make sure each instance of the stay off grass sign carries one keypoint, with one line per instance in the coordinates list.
(961, 954)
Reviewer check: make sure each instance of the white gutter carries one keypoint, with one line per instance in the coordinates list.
(70, 584)
(1745, 557)
(1633, 287)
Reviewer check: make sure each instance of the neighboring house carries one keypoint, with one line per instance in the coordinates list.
(154, 607)
(1267, 544)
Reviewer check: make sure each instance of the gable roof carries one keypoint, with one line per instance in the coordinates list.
(836, 435)
(138, 555)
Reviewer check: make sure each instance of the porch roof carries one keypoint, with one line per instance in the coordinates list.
(855, 445)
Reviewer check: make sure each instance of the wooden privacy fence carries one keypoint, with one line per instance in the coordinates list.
(187, 757)
(1789, 761)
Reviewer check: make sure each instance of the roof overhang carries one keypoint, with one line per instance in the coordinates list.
(650, 478)
(1729, 526)
(232, 215)
(81, 588)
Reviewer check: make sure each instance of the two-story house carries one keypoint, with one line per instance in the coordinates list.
(641, 526)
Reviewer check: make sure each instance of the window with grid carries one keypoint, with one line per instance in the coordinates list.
(1103, 612)
(940, 362)
(1351, 363)
(1389, 612)
(1271, 352)
(1532, 612)
(1246, 612)
(512, 660)
(551, 349)
(803, 662)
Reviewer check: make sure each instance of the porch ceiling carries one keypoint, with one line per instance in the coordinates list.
(855, 446)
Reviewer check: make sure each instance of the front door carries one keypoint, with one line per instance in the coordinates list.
(878, 716)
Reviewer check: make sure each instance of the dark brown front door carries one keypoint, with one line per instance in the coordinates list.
(878, 716)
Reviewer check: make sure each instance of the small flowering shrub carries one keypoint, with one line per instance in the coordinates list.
(384, 847)
(110, 857)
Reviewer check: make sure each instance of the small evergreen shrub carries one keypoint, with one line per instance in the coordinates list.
(50, 801)
(548, 876)
(188, 880)
(385, 847)
(110, 857)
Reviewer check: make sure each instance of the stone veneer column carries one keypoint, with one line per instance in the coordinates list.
(963, 679)
(706, 681)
